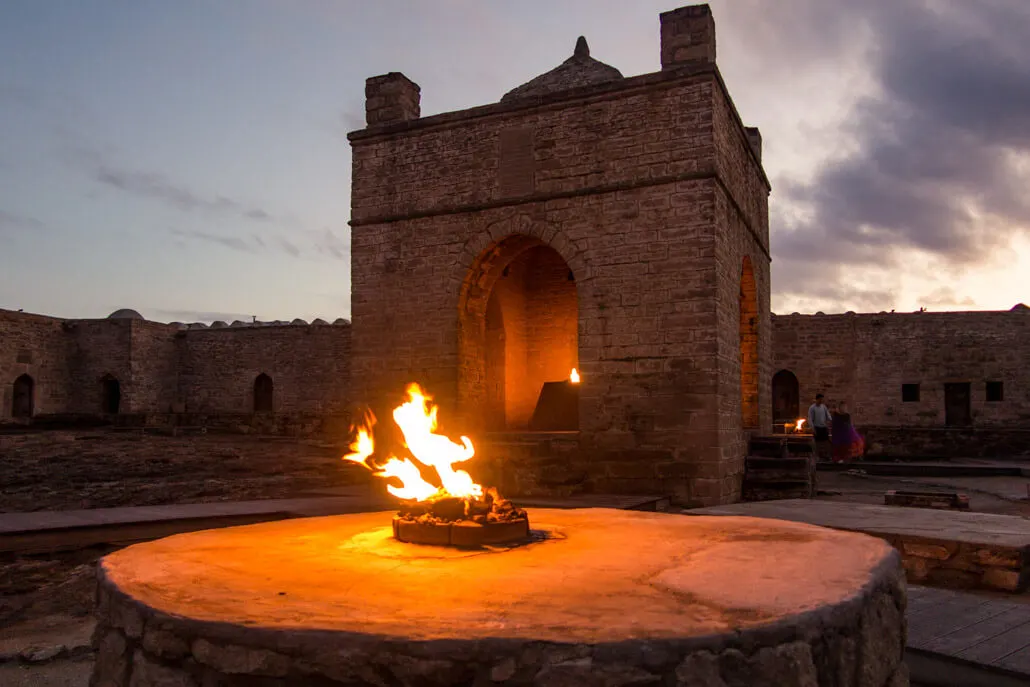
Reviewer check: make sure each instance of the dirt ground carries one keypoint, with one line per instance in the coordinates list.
(46, 600)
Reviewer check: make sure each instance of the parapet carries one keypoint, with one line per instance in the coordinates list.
(688, 36)
(390, 99)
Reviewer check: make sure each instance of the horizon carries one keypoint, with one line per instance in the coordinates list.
(190, 161)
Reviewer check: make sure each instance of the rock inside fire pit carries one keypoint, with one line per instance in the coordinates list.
(466, 523)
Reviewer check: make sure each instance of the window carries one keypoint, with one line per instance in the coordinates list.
(909, 393)
(995, 392)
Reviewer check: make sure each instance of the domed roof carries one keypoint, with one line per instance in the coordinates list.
(1019, 307)
(340, 321)
(125, 314)
(218, 324)
(299, 321)
(578, 70)
(319, 321)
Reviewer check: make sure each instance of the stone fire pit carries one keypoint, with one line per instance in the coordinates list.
(598, 597)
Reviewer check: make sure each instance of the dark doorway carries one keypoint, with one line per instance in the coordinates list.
(263, 394)
(110, 395)
(785, 396)
(957, 411)
(23, 404)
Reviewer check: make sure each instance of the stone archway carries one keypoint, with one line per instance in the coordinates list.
(518, 329)
(110, 395)
(264, 394)
(748, 345)
(786, 397)
(23, 402)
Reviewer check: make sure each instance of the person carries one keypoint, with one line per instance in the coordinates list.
(819, 420)
(848, 444)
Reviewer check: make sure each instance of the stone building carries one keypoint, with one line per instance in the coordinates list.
(272, 376)
(916, 383)
(587, 220)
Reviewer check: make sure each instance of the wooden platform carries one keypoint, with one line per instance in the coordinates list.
(939, 548)
(958, 638)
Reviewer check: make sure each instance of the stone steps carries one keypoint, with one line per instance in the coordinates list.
(779, 467)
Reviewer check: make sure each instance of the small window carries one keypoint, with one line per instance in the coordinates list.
(909, 393)
(995, 392)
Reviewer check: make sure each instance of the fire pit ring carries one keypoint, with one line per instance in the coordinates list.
(619, 598)
(463, 533)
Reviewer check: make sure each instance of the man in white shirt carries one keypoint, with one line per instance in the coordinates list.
(819, 420)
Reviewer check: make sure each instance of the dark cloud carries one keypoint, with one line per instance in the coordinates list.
(936, 149)
(328, 243)
(289, 247)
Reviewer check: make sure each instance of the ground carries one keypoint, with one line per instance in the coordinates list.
(46, 601)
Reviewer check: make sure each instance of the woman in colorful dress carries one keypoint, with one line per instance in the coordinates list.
(848, 444)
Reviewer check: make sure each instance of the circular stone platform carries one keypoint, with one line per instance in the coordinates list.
(610, 598)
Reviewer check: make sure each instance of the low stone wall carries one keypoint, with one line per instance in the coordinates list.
(951, 564)
(945, 442)
(280, 424)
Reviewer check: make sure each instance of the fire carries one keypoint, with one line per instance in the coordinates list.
(798, 425)
(574, 376)
(417, 421)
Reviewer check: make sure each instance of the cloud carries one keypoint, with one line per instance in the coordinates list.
(157, 187)
(11, 222)
(203, 316)
(946, 297)
(940, 152)
(234, 242)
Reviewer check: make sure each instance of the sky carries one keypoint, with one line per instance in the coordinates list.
(189, 159)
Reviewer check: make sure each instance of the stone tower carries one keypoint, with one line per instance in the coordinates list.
(587, 220)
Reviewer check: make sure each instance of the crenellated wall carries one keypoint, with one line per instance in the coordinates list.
(166, 368)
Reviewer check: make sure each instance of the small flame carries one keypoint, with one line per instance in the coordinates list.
(417, 421)
(798, 425)
(574, 376)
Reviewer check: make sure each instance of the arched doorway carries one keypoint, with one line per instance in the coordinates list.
(785, 397)
(748, 345)
(264, 394)
(110, 395)
(518, 331)
(23, 403)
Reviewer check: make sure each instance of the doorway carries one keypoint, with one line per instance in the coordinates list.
(957, 406)
(110, 395)
(264, 393)
(23, 404)
(785, 396)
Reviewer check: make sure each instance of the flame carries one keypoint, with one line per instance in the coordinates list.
(574, 376)
(798, 425)
(417, 421)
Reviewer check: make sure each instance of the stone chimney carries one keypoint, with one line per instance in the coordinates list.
(391, 98)
(688, 36)
(754, 137)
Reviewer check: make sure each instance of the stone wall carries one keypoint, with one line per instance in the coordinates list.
(36, 346)
(309, 366)
(865, 359)
(171, 375)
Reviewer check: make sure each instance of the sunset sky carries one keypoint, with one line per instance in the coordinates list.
(189, 159)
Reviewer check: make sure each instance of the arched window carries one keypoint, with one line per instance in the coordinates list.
(264, 393)
(785, 397)
(23, 404)
(110, 395)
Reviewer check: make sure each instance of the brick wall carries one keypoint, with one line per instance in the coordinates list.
(99, 348)
(37, 346)
(309, 367)
(866, 358)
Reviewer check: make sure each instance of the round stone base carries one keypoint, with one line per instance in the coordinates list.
(615, 598)
(463, 533)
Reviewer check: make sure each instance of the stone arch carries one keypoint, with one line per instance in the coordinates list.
(786, 397)
(23, 402)
(264, 394)
(110, 395)
(518, 322)
(748, 345)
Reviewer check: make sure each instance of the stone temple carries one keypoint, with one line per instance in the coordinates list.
(613, 225)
